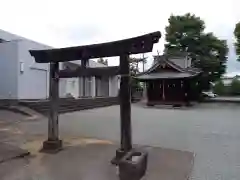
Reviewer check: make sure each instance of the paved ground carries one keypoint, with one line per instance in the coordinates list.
(211, 131)
(81, 158)
(8, 131)
(91, 161)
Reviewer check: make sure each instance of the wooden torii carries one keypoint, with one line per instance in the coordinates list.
(122, 48)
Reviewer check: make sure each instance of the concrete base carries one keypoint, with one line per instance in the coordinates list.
(50, 146)
(91, 162)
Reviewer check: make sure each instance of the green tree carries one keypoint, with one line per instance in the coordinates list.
(237, 37)
(186, 34)
(133, 63)
(219, 88)
(103, 61)
(182, 32)
(134, 69)
(235, 87)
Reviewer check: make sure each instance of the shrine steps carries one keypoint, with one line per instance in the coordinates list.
(70, 104)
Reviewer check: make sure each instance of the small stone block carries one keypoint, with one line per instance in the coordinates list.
(133, 165)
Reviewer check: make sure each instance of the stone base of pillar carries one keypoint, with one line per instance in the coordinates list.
(119, 154)
(51, 146)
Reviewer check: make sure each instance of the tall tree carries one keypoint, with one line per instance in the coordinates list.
(211, 56)
(186, 34)
(237, 37)
(183, 32)
(103, 61)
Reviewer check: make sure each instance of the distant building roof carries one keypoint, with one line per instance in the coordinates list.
(7, 36)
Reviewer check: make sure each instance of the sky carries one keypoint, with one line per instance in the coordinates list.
(63, 23)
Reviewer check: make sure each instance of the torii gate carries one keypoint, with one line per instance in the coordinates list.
(122, 48)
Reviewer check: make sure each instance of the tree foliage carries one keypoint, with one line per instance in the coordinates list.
(219, 88)
(134, 64)
(103, 61)
(183, 32)
(235, 87)
(186, 34)
(134, 69)
(227, 90)
(237, 37)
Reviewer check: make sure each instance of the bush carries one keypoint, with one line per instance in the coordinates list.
(235, 87)
(219, 88)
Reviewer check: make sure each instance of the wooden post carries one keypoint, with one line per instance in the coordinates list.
(84, 65)
(53, 143)
(125, 104)
(186, 92)
(143, 63)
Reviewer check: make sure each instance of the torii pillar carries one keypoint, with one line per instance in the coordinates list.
(53, 143)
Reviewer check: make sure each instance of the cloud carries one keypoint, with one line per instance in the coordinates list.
(62, 23)
(233, 65)
(79, 34)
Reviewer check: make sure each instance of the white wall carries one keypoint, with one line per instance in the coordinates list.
(76, 89)
(33, 82)
(62, 87)
(113, 86)
(72, 86)
(93, 86)
(228, 81)
(29, 80)
(8, 70)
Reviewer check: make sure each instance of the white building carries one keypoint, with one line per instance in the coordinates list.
(227, 80)
(23, 78)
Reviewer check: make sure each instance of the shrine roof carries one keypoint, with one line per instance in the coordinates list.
(165, 75)
(180, 72)
(140, 44)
